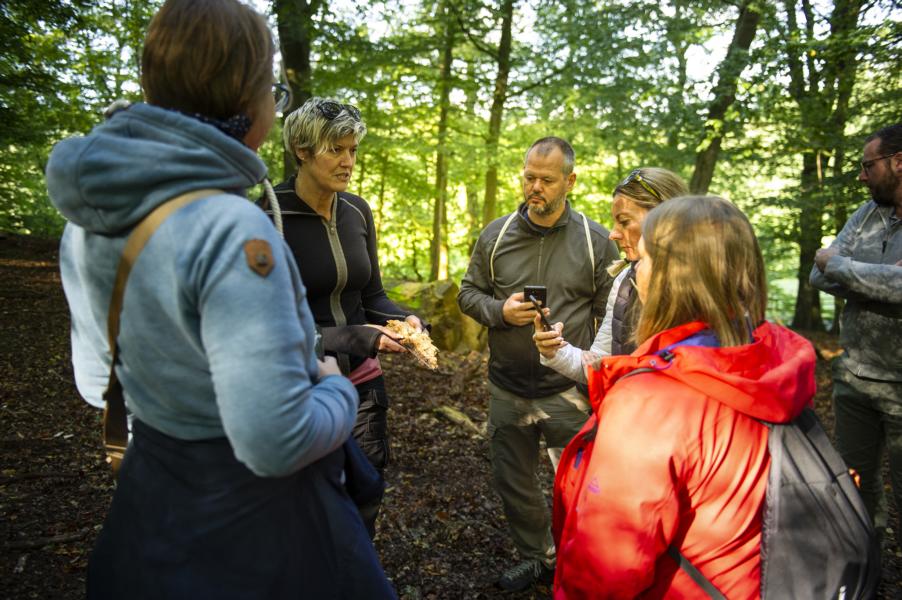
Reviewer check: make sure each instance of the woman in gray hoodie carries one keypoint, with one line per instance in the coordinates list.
(232, 485)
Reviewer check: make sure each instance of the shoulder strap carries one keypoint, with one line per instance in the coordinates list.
(115, 422)
(507, 224)
(498, 241)
(589, 247)
(274, 206)
(695, 574)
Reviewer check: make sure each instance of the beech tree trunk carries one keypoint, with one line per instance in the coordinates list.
(499, 97)
(822, 91)
(728, 73)
(438, 251)
(296, 31)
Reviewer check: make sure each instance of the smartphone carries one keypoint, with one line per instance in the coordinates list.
(540, 292)
(545, 324)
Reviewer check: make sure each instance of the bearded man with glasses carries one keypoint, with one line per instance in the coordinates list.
(864, 266)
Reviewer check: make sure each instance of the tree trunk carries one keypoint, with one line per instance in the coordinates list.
(498, 99)
(474, 210)
(823, 105)
(361, 175)
(296, 32)
(840, 215)
(808, 303)
(841, 69)
(380, 202)
(438, 251)
(728, 73)
(676, 105)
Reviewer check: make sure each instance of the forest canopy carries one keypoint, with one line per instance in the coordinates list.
(764, 103)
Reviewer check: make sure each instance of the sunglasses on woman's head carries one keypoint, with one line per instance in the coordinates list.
(636, 175)
(330, 110)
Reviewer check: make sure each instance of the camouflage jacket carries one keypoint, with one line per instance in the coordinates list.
(866, 274)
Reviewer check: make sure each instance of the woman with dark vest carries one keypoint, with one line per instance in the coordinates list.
(642, 190)
(332, 235)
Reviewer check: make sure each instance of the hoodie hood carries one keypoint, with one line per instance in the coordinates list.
(771, 379)
(109, 180)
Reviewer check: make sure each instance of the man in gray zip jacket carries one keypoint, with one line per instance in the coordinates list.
(545, 242)
(864, 266)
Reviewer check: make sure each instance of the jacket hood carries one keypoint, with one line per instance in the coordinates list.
(771, 379)
(140, 157)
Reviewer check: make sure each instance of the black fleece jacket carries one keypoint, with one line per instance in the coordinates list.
(557, 257)
(339, 266)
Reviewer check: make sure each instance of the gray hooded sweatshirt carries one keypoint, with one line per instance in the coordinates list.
(208, 346)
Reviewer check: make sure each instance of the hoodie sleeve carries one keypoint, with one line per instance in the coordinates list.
(879, 283)
(568, 361)
(276, 412)
(359, 340)
(378, 306)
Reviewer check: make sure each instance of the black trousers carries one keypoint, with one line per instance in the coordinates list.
(371, 434)
(371, 428)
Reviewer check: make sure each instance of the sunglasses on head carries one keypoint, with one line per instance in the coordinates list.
(636, 175)
(330, 110)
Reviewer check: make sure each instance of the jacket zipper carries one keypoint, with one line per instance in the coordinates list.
(533, 376)
(341, 277)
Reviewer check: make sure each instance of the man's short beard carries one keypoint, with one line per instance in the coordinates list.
(548, 208)
(884, 192)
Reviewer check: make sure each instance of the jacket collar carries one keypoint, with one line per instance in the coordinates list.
(290, 202)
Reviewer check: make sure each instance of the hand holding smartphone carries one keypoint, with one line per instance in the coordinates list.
(538, 295)
(545, 324)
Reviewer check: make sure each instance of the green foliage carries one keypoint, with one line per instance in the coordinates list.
(62, 62)
(627, 81)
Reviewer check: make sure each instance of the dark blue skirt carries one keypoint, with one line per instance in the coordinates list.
(189, 521)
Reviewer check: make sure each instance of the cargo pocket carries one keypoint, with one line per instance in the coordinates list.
(371, 429)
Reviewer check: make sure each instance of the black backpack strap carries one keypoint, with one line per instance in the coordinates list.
(695, 574)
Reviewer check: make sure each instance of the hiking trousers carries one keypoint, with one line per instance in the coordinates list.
(869, 424)
(371, 433)
(516, 425)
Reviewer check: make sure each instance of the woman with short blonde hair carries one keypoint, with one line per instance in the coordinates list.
(317, 126)
(674, 458)
(332, 235)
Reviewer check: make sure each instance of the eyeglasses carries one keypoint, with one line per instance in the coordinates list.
(330, 110)
(282, 95)
(636, 175)
(867, 164)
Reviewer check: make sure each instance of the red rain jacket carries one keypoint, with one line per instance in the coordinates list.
(679, 458)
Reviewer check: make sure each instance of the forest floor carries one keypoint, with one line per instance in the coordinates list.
(441, 533)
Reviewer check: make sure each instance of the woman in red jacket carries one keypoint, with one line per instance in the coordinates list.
(674, 454)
